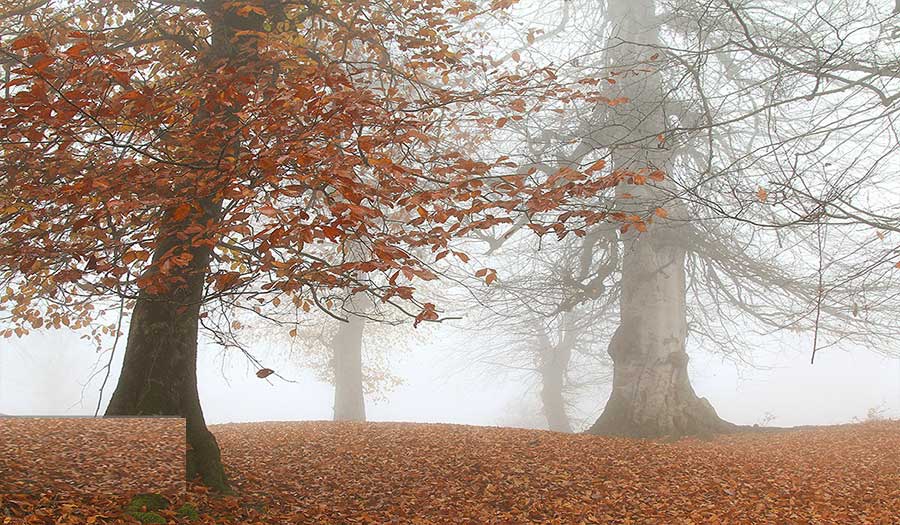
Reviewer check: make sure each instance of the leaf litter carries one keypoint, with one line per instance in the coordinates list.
(410, 473)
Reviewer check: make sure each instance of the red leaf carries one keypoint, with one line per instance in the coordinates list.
(181, 212)
(26, 41)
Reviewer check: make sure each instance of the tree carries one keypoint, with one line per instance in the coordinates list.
(544, 322)
(185, 160)
(654, 282)
(349, 403)
(712, 104)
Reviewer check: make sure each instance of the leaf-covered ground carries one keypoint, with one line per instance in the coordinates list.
(322, 472)
(53, 454)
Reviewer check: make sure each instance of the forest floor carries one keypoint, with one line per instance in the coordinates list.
(348, 473)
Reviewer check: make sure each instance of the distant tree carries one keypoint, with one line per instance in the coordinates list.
(542, 324)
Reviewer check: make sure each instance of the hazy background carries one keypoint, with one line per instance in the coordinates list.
(46, 372)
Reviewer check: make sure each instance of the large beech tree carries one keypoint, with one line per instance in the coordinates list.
(774, 128)
(181, 160)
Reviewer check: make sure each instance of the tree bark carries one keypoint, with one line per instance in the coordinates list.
(159, 372)
(553, 367)
(652, 395)
(349, 398)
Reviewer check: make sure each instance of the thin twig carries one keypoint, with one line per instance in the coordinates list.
(112, 354)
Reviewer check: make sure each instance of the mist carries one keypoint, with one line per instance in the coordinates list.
(499, 261)
(47, 373)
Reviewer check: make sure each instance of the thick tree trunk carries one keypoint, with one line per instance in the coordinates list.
(553, 367)
(652, 395)
(349, 399)
(159, 373)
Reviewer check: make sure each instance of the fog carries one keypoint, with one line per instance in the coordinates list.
(47, 373)
(706, 250)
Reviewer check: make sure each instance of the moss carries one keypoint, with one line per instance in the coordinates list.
(147, 502)
(189, 511)
(147, 517)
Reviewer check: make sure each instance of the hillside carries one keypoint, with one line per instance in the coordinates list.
(323, 472)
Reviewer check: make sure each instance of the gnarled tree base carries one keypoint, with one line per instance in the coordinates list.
(693, 417)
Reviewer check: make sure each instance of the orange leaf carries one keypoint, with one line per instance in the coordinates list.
(181, 212)
(762, 194)
(660, 212)
(26, 41)
(597, 166)
(247, 9)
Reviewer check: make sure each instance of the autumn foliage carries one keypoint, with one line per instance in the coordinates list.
(274, 134)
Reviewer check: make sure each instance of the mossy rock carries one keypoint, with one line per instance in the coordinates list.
(147, 502)
(147, 517)
(189, 511)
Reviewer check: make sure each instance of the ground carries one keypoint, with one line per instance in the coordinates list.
(323, 472)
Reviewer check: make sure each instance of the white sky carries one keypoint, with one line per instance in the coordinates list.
(43, 375)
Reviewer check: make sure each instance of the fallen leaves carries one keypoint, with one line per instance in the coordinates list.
(323, 472)
(55, 455)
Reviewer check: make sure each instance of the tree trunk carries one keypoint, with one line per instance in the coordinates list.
(553, 367)
(652, 395)
(349, 399)
(159, 373)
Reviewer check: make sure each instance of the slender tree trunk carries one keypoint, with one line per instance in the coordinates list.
(553, 366)
(652, 395)
(349, 399)
(159, 373)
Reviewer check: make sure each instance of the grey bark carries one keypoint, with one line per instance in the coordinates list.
(652, 395)
(554, 362)
(349, 398)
